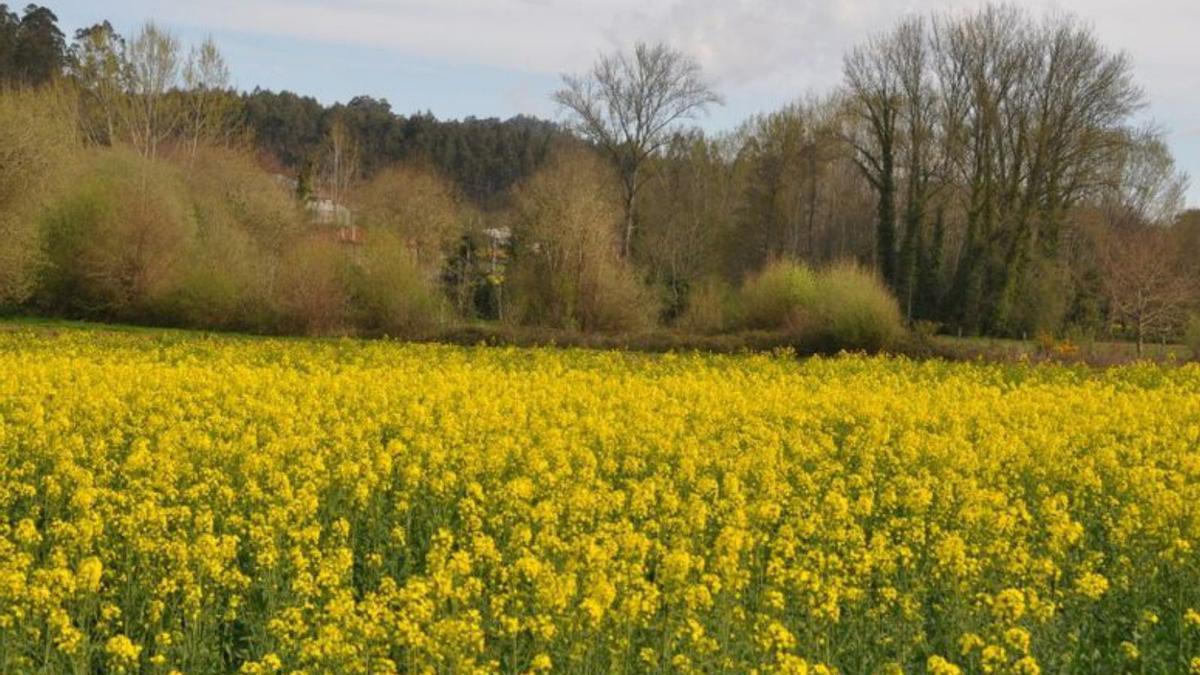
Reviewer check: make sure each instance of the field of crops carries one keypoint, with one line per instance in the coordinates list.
(174, 502)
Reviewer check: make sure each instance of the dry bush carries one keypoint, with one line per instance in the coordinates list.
(313, 294)
(708, 308)
(566, 271)
(38, 137)
(614, 300)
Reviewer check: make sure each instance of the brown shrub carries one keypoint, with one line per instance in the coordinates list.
(566, 271)
(313, 294)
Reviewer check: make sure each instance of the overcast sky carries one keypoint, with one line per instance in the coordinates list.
(503, 57)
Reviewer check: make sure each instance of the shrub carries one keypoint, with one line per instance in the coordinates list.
(231, 191)
(244, 220)
(1191, 336)
(614, 300)
(222, 284)
(565, 271)
(924, 329)
(779, 297)
(417, 205)
(842, 307)
(313, 292)
(117, 239)
(37, 135)
(707, 309)
(197, 244)
(392, 294)
(853, 310)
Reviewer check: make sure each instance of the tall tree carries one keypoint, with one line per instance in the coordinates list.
(1078, 97)
(152, 115)
(97, 62)
(1032, 112)
(688, 209)
(797, 199)
(10, 26)
(40, 47)
(628, 105)
(909, 54)
(342, 161)
(1144, 185)
(208, 98)
(875, 97)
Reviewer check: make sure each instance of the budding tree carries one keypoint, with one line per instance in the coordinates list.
(153, 71)
(97, 60)
(342, 157)
(209, 103)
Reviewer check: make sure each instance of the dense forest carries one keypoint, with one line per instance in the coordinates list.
(977, 173)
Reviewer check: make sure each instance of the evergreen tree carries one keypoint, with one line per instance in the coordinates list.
(40, 47)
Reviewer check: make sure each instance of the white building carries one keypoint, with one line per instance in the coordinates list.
(325, 212)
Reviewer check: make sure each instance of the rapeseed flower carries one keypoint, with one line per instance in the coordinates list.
(182, 503)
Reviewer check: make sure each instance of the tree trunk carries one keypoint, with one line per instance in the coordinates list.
(885, 239)
(630, 198)
(909, 255)
(812, 203)
(1141, 335)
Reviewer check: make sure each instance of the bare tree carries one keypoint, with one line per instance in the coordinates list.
(628, 105)
(1146, 187)
(794, 163)
(206, 77)
(1144, 281)
(341, 161)
(153, 71)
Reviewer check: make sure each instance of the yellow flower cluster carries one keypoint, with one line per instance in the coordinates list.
(180, 503)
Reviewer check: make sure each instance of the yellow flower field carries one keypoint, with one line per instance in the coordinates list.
(174, 502)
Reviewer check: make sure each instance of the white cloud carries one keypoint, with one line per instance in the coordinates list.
(762, 43)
